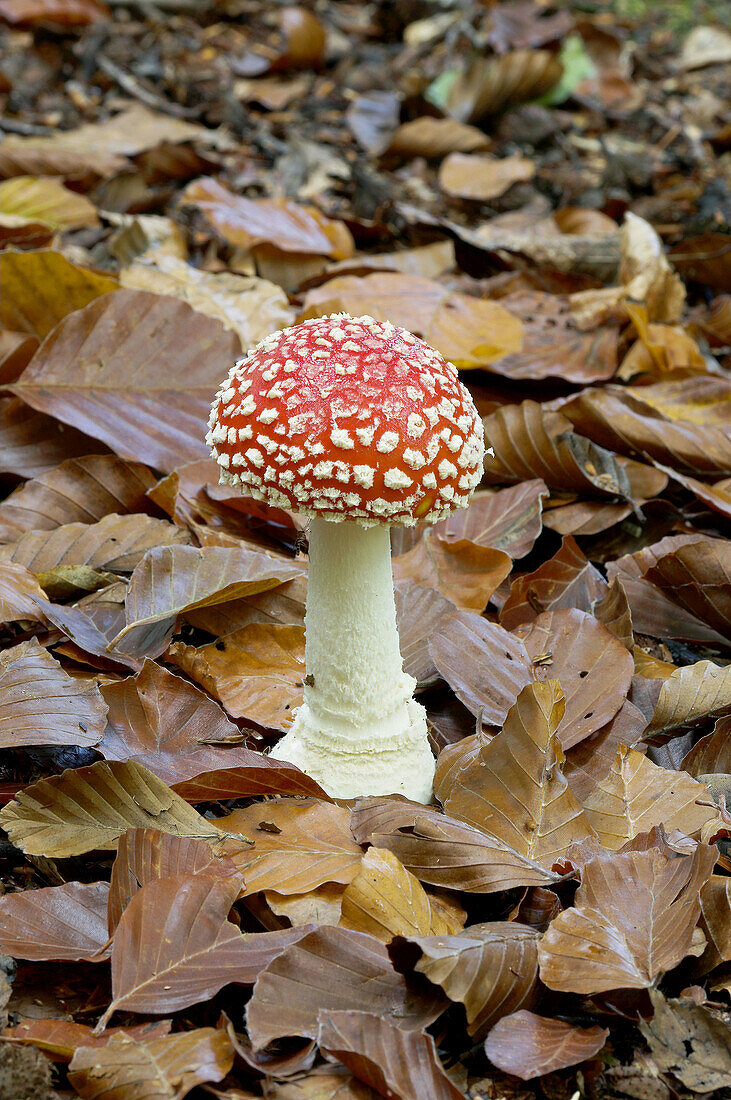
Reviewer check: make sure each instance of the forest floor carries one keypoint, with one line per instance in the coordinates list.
(543, 193)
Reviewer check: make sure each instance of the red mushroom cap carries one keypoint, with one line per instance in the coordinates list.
(349, 418)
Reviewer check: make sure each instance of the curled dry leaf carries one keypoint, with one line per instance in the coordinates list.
(697, 576)
(40, 704)
(465, 573)
(712, 753)
(491, 969)
(41, 288)
(488, 86)
(514, 788)
(170, 581)
(152, 1069)
(329, 970)
(129, 403)
(613, 610)
(31, 443)
(528, 443)
(87, 808)
(296, 847)
(385, 900)
(257, 673)
(59, 1039)
(79, 490)
(527, 1045)
(467, 176)
(246, 773)
(593, 667)
(636, 795)
(690, 1042)
(46, 202)
(568, 579)
(396, 1063)
(624, 422)
(145, 855)
(435, 138)
(115, 542)
(690, 695)
(441, 850)
(633, 919)
(508, 520)
(19, 590)
(470, 332)
(56, 922)
(289, 226)
(91, 627)
(716, 922)
(174, 945)
(485, 666)
(553, 346)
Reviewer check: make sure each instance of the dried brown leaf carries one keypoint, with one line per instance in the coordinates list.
(698, 577)
(19, 590)
(712, 753)
(485, 666)
(464, 572)
(159, 1069)
(40, 704)
(46, 202)
(145, 855)
(397, 1063)
(174, 945)
(59, 1039)
(636, 795)
(41, 288)
(287, 225)
(168, 582)
(442, 851)
(65, 13)
(385, 900)
(99, 371)
(633, 918)
(31, 443)
(716, 922)
(329, 970)
(690, 1042)
(469, 176)
(469, 332)
(56, 922)
(115, 542)
(257, 673)
(527, 1045)
(514, 788)
(491, 969)
(591, 760)
(690, 695)
(435, 138)
(419, 612)
(298, 845)
(568, 579)
(87, 808)
(80, 490)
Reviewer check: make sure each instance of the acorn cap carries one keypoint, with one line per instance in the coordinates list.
(349, 418)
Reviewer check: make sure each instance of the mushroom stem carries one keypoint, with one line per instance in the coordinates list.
(359, 730)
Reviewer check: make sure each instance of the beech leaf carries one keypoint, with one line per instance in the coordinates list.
(527, 1045)
(56, 922)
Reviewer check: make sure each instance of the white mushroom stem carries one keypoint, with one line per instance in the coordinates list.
(359, 730)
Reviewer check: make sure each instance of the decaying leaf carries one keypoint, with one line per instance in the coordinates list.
(527, 1045)
(514, 787)
(385, 900)
(491, 968)
(151, 1070)
(688, 1041)
(40, 704)
(297, 846)
(87, 808)
(470, 332)
(58, 922)
(329, 970)
(393, 1061)
(633, 918)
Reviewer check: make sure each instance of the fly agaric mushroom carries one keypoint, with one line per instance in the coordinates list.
(359, 425)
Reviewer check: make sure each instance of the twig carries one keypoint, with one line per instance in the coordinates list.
(132, 86)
